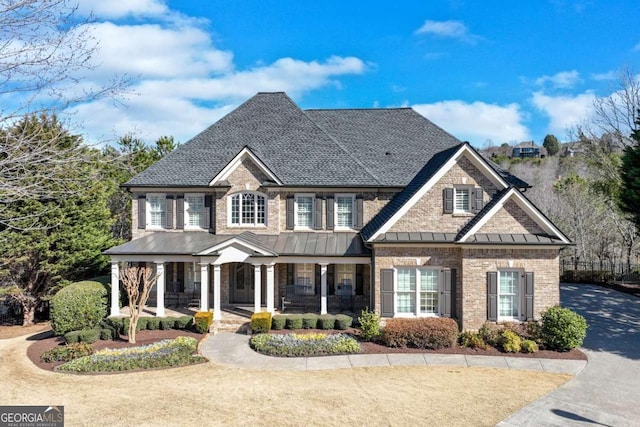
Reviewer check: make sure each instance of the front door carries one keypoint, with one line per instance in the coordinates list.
(242, 283)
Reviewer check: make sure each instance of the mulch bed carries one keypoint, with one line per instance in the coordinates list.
(376, 348)
(46, 340)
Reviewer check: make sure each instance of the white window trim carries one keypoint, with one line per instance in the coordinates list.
(457, 188)
(186, 211)
(254, 224)
(353, 278)
(148, 225)
(417, 313)
(353, 211)
(295, 211)
(310, 289)
(519, 288)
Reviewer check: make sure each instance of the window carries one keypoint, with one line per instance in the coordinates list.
(508, 294)
(157, 205)
(305, 274)
(344, 211)
(304, 211)
(345, 279)
(248, 209)
(195, 210)
(192, 281)
(418, 291)
(462, 198)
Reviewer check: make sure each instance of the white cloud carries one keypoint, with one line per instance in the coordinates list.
(609, 75)
(636, 48)
(561, 80)
(447, 29)
(478, 121)
(123, 8)
(564, 112)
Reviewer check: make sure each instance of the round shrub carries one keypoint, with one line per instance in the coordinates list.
(510, 341)
(343, 321)
(326, 321)
(278, 322)
(309, 321)
(369, 325)
(81, 305)
(471, 340)
(563, 329)
(529, 346)
(184, 322)
(294, 321)
(167, 323)
(153, 323)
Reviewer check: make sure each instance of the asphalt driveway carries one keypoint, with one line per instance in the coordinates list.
(607, 391)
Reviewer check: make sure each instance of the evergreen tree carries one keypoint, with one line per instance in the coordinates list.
(551, 144)
(630, 176)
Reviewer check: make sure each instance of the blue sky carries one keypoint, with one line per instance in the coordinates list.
(484, 71)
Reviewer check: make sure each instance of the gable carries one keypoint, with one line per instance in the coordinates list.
(245, 172)
(511, 218)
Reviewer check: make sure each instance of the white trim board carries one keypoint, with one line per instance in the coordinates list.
(237, 160)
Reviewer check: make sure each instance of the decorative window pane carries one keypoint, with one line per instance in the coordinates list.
(248, 209)
(157, 210)
(406, 291)
(344, 211)
(304, 206)
(429, 291)
(305, 274)
(508, 294)
(195, 210)
(345, 279)
(462, 199)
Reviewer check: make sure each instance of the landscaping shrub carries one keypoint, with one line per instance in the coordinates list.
(294, 321)
(427, 333)
(261, 322)
(166, 353)
(117, 323)
(278, 322)
(563, 329)
(471, 340)
(510, 341)
(326, 321)
(167, 323)
(84, 335)
(72, 337)
(534, 331)
(529, 346)
(490, 334)
(309, 321)
(369, 325)
(153, 323)
(66, 353)
(106, 334)
(202, 321)
(183, 322)
(343, 321)
(295, 345)
(80, 305)
(141, 325)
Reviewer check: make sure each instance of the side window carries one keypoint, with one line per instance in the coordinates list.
(344, 204)
(304, 210)
(157, 210)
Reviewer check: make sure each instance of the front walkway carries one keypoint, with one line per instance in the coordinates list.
(606, 392)
(233, 350)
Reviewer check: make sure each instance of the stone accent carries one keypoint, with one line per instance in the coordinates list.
(511, 219)
(427, 214)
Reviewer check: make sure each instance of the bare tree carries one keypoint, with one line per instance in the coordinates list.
(137, 281)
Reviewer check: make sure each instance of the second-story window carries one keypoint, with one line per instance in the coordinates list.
(344, 211)
(157, 210)
(462, 199)
(248, 209)
(195, 210)
(304, 211)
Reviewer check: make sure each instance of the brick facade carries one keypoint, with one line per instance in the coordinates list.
(511, 219)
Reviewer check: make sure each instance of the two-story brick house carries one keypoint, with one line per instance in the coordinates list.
(374, 207)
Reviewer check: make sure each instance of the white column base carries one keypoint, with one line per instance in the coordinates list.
(323, 288)
(115, 289)
(204, 287)
(257, 286)
(270, 288)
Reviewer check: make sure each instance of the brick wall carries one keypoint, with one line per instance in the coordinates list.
(511, 219)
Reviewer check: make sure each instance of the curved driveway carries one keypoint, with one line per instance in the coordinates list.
(607, 391)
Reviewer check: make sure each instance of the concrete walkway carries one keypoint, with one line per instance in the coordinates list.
(233, 350)
(607, 391)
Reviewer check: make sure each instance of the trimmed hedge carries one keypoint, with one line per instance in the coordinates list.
(427, 333)
(326, 321)
(84, 335)
(80, 305)
(294, 345)
(261, 322)
(202, 321)
(563, 329)
(120, 325)
(278, 322)
(343, 321)
(294, 321)
(309, 321)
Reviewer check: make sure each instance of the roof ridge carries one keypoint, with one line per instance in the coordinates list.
(347, 152)
(359, 109)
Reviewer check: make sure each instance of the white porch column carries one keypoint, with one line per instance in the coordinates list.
(257, 286)
(323, 288)
(270, 287)
(115, 289)
(160, 289)
(217, 278)
(204, 287)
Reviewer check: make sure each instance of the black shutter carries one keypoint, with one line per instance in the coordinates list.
(180, 211)
(207, 216)
(449, 292)
(528, 295)
(331, 279)
(290, 213)
(181, 277)
(447, 197)
(386, 288)
(359, 279)
(477, 200)
(317, 213)
(290, 274)
(318, 279)
(168, 278)
(330, 217)
(359, 212)
(169, 204)
(212, 214)
(142, 212)
(492, 296)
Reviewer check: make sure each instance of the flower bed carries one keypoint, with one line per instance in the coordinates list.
(166, 353)
(294, 345)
